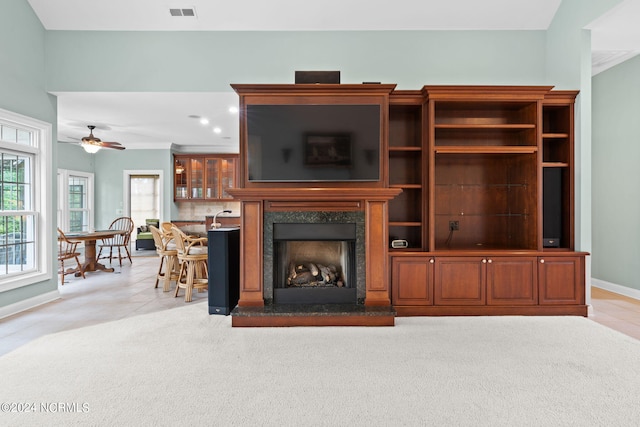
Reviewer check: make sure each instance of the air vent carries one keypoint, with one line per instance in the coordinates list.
(190, 12)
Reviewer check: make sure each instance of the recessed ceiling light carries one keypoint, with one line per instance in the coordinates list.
(217, 130)
(204, 121)
(233, 109)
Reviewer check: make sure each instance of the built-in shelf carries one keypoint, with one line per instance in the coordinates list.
(404, 224)
(405, 148)
(406, 186)
(475, 126)
(451, 149)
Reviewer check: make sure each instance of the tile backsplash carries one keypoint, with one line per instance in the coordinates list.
(189, 211)
(197, 210)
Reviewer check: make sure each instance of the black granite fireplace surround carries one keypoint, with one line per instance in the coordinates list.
(339, 238)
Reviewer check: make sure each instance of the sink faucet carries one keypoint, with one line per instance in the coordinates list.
(216, 224)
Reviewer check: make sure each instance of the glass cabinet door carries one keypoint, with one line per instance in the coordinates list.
(197, 178)
(181, 183)
(227, 177)
(213, 180)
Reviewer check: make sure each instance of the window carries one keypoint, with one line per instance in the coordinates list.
(17, 252)
(145, 198)
(75, 200)
(25, 245)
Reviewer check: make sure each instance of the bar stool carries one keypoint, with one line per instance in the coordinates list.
(166, 248)
(193, 257)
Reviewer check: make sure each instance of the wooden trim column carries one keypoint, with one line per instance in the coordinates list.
(376, 242)
(251, 286)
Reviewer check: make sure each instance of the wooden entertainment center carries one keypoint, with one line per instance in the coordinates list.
(475, 193)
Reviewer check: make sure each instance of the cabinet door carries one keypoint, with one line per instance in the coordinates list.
(220, 176)
(227, 177)
(460, 281)
(412, 280)
(213, 178)
(180, 178)
(512, 281)
(561, 280)
(196, 178)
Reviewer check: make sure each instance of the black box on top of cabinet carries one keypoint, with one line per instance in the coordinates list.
(224, 270)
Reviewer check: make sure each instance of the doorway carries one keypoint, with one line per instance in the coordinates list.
(143, 196)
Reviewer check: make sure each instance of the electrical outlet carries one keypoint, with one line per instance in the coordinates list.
(454, 225)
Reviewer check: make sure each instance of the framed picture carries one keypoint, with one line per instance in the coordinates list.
(332, 150)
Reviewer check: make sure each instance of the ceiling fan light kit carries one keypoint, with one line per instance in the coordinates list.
(91, 149)
(92, 145)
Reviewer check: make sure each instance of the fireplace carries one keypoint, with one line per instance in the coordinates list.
(363, 260)
(314, 257)
(314, 263)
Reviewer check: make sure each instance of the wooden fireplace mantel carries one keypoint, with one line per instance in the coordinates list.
(372, 201)
(315, 194)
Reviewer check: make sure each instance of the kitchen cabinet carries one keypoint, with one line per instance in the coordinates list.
(202, 177)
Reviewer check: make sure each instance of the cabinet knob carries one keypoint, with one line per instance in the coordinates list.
(542, 261)
(484, 261)
(490, 261)
(432, 261)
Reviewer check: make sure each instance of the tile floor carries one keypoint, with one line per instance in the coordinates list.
(129, 291)
(100, 297)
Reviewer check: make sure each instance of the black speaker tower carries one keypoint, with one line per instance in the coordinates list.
(551, 207)
(224, 270)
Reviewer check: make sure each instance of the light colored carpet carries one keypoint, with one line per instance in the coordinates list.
(185, 367)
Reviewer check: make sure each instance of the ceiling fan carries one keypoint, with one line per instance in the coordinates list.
(91, 144)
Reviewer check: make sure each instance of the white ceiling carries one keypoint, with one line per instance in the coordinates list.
(136, 123)
(295, 15)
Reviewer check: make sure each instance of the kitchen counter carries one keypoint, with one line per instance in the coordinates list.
(225, 221)
(179, 222)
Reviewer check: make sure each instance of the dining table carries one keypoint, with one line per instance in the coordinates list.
(90, 254)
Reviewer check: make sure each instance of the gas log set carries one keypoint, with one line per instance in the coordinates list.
(311, 274)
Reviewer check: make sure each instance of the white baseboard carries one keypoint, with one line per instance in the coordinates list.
(618, 289)
(11, 309)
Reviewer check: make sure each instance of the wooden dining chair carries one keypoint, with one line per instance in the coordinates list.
(67, 249)
(166, 249)
(119, 241)
(193, 257)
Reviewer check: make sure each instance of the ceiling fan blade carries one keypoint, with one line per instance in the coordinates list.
(115, 145)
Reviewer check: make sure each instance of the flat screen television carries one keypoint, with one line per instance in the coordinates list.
(306, 143)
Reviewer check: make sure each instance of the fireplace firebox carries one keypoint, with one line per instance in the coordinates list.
(314, 263)
(314, 257)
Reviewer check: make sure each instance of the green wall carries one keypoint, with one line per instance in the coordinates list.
(22, 90)
(616, 175)
(569, 67)
(109, 186)
(211, 61)
(73, 157)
